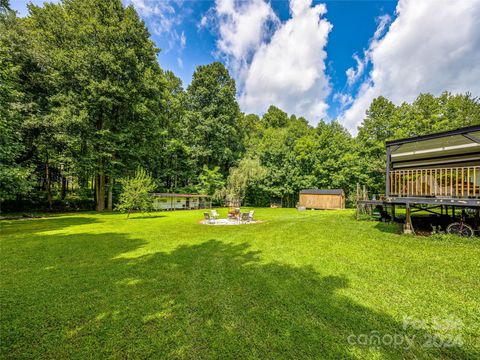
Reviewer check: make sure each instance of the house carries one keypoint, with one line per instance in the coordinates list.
(435, 172)
(322, 199)
(170, 201)
(437, 166)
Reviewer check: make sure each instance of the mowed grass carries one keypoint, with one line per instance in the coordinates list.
(298, 285)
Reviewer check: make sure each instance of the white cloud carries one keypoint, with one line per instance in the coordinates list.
(203, 22)
(432, 46)
(277, 63)
(383, 22)
(183, 40)
(242, 27)
(344, 99)
(163, 18)
(354, 74)
(162, 14)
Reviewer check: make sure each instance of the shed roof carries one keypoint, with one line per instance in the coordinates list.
(322, 191)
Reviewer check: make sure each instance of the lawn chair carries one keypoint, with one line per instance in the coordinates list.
(208, 218)
(214, 214)
(244, 217)
(250, 215)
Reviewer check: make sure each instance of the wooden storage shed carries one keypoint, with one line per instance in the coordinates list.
(322, 199)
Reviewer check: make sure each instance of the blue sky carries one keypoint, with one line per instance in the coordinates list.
(320, 59)
(353, 22)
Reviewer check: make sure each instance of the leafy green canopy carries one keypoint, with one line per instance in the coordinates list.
(298, 156)
(212, 117)
(84, 103)
(14, 175)
(135, 193)
(210, 180)
(247, 173)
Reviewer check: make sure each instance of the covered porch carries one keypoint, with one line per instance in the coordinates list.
(442, 165)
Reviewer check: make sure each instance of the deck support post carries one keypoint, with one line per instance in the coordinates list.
(387, 173)
(407, 227)
(357, 199)
(476, 220)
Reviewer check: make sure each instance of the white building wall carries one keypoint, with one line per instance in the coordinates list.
(161, 203)
(177, 203)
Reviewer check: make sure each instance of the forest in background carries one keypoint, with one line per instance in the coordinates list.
(84, 103)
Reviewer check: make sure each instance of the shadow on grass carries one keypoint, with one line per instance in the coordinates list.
(145, 216)
(391, 228)
(78, 297)
(48, 223)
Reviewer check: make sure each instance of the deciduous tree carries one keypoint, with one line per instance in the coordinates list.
(136, 193)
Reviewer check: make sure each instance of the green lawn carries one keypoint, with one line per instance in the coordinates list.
(299, 285)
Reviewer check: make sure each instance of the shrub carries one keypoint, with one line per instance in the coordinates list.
(136, 193)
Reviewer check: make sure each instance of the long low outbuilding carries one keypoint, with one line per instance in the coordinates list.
(172, 201)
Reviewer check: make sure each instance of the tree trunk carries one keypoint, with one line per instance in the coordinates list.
(64, 187)
(94, 189)
(110, 194)
(48, 185)
(100, 191)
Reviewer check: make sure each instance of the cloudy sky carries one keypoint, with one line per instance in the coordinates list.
(320, 59)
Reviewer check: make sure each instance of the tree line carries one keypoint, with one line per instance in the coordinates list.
(84, 103)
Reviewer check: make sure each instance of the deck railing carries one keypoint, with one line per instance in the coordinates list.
(457, 182)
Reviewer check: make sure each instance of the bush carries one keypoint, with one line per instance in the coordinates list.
(136, 193)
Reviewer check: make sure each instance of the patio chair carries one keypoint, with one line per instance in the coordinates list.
(208, 218)
(214, 214)
(244, 217)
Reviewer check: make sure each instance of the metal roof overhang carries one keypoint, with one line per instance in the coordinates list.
(459, 147)
(179, 195)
